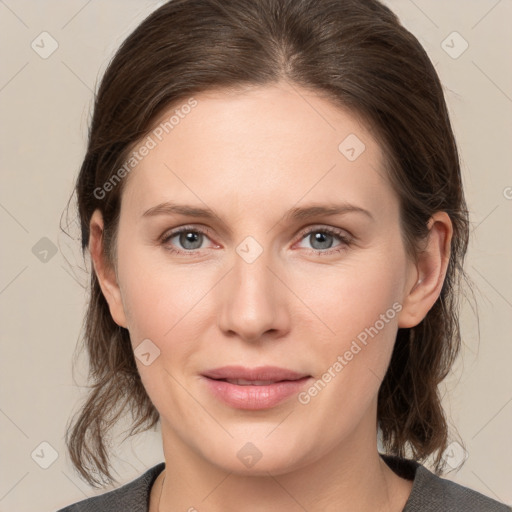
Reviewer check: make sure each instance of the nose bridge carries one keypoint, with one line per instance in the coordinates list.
(252, 302)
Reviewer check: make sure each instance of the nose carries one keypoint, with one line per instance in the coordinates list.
(253, 301)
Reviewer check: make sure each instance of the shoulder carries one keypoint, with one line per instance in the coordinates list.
(431, 493)
(133, 496)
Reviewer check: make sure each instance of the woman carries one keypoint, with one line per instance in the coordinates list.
(272, 201)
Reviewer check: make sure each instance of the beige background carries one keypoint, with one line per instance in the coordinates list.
(45, 107)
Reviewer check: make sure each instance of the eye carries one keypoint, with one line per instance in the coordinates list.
(322, 239)
(189, 238)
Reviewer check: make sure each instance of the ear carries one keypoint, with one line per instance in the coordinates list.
(426, 276)
(104, 270)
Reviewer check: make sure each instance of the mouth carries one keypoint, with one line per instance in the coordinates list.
(256, 388)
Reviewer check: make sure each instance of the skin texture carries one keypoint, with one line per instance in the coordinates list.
(251, 157)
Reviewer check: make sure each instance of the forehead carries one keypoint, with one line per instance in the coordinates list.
(273, 143)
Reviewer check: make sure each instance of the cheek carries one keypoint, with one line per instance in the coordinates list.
(171, 306)
(352, 297)
(157, 295)
(360, 306)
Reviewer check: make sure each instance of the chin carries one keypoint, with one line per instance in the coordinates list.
(258, 458)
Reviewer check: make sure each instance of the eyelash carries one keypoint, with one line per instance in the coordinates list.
(345, 240)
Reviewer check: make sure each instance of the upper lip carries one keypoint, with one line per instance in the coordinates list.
(261, 373)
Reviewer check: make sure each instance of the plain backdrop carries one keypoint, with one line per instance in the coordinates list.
(45, 105)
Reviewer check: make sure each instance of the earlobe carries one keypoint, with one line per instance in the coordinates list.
(426, 282)
(104, 270)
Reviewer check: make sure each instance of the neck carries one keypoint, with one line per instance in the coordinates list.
(350, 477)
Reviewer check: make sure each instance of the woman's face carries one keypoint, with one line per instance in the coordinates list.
(262, 275)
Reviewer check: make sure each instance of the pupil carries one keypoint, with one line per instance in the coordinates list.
(189, 237)
(321, 238)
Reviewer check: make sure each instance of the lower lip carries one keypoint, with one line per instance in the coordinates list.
(255, 397)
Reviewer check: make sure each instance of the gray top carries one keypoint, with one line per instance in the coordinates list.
(430, 493)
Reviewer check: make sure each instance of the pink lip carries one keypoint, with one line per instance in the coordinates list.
(253, 397)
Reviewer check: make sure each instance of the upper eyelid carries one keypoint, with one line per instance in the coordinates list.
(170, 233)
(329, 229)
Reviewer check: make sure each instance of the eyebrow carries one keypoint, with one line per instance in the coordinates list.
(296, 213)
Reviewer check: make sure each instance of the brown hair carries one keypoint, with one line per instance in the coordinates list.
(357, 54)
